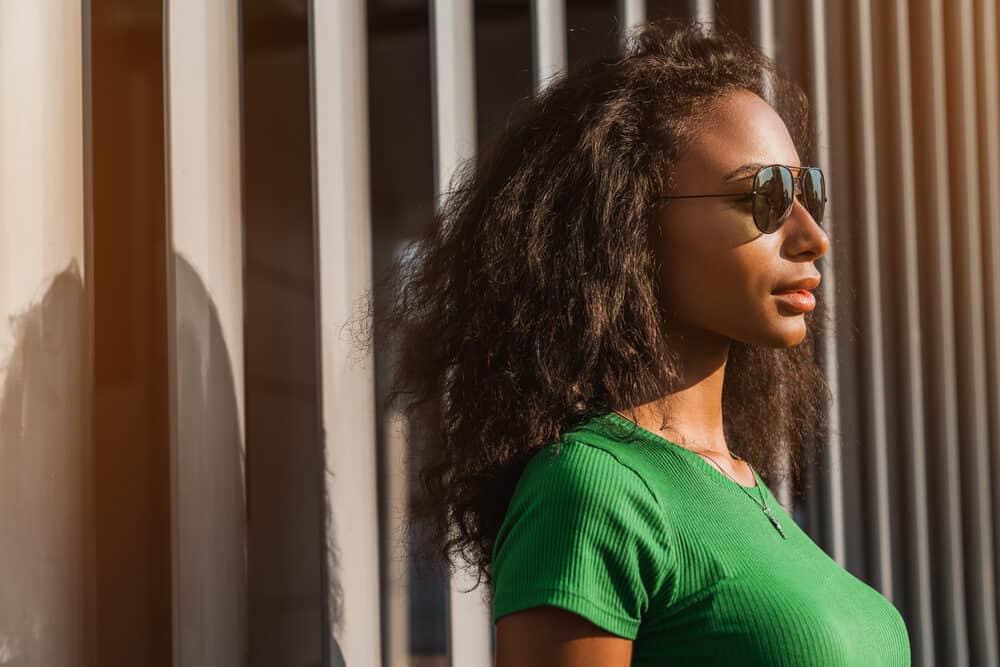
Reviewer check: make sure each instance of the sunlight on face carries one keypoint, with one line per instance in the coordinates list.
(718, 271)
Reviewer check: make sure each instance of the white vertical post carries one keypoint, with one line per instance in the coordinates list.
(342, 218)
(631, 15)
(454, 100)
(702, 11)
(396, 579)
(205, 333)
(453, 80)
(548, 37)
(763, 29)
(763, 26)
(46, 523)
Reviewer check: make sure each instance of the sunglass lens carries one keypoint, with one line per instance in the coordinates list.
(814, 193)
(774, 186)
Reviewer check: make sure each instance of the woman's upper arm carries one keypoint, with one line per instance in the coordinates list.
(555, 637)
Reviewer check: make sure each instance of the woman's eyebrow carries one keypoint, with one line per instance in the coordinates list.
(746, 170)
(742, 170)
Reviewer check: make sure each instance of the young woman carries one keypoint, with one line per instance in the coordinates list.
(607, 339)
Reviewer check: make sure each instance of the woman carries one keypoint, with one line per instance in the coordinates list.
(608, 341)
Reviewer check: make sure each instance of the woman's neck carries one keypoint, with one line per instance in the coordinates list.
(693, 411)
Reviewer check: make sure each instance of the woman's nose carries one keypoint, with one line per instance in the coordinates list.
(806, 235)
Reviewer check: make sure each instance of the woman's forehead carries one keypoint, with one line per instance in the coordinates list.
(738, 134)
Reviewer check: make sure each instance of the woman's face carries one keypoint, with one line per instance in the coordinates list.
(718, 271)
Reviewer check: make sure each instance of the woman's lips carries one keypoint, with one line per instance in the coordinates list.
(799, 299)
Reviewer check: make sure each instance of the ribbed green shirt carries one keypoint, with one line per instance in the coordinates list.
(649, 541)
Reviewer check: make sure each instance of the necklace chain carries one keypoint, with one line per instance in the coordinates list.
(763, 502)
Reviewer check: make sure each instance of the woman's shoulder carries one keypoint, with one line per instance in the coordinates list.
(586, 474)
(574, 449)
(593, 448)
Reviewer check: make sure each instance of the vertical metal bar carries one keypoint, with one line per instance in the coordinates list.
(934, 213)
(46, 532)
(833, 498)
(548, 40)
(396, 646)
(702, 11)
(205, 332)
(913, 432)
(866, 180)
(988, 83)
(88, 557)
(631, 14)
(342, 218)
(453, 94)
(974, 427)
(763, 26)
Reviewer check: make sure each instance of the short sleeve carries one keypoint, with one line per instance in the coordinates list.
(585, 533)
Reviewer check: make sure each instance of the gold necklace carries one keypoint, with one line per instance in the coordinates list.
(763, 502)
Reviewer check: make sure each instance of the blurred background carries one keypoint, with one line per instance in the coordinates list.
(195, 196)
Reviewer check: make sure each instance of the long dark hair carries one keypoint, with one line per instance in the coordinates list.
(531, 301)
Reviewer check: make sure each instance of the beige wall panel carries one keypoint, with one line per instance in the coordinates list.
(46, 528)
(205, 287)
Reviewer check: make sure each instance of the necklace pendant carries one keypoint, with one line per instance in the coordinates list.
(774, 522)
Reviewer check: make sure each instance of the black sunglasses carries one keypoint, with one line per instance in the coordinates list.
(774, 187)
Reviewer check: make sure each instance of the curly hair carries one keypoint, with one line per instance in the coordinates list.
(531, 302)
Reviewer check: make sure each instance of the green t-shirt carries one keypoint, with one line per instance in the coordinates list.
(649, 541)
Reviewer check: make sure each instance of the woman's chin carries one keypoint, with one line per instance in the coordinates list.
(786, 333)
(793, 332)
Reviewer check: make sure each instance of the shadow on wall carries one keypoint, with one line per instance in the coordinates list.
(211, 570)
(46, 530)
(335, 590)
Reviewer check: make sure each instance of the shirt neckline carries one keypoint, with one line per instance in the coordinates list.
(657, 439)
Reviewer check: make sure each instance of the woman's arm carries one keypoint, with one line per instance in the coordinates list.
(552, 637)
